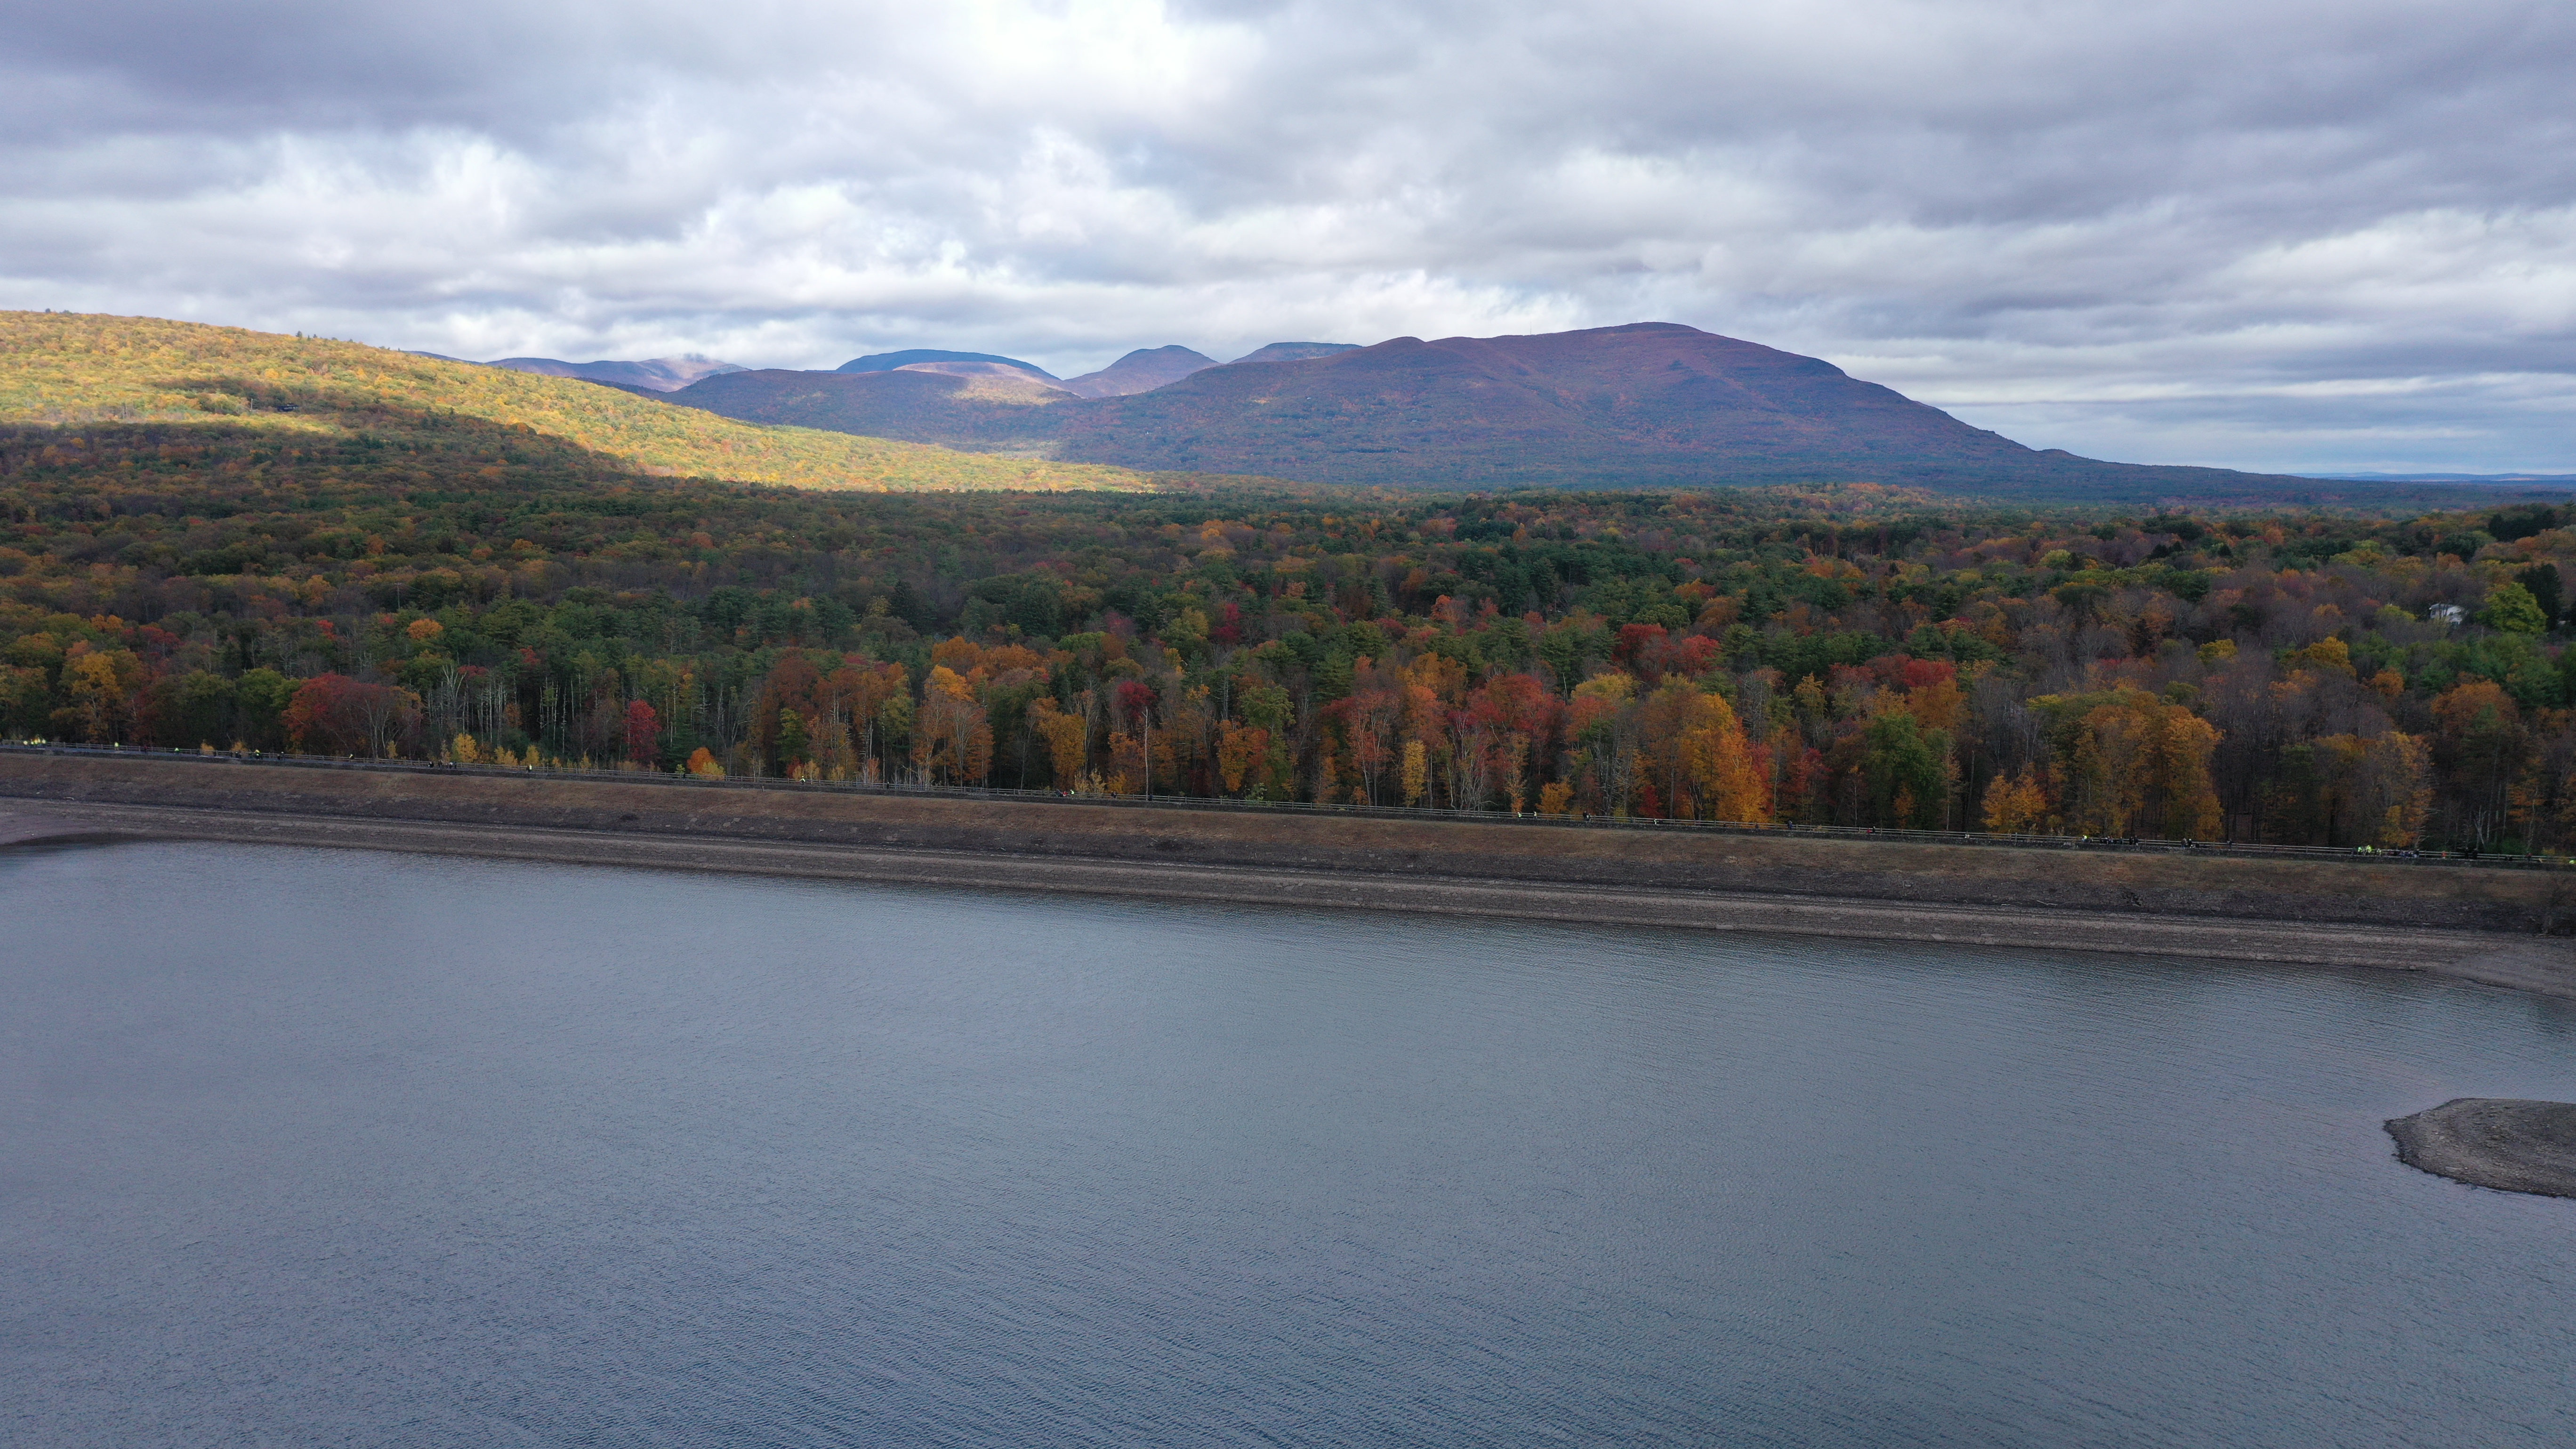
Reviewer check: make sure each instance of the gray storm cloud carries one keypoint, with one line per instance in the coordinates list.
(2299, 235)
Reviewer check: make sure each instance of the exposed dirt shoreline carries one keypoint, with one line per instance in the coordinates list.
(2498, 1142)
(2485, 926)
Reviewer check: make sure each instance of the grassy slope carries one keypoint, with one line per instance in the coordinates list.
(70, 370)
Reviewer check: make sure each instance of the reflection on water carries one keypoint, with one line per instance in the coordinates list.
(301, 1147)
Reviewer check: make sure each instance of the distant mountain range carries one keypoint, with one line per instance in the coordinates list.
(654, 374)
(1297, 351)
(915, 356)
(1143, 370)
(1649, 404)
(1652, 403)
(992, 382)
(1140, 371)
(2561, 480)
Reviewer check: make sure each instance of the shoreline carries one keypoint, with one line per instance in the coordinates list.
(2508, 1144)
(1859, 866)
(2521, 962)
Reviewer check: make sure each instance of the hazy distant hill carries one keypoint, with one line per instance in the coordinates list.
(2555, 480)
(889, 361)
(902, 394)
(996, 382)
(1296, 351)
(656, 374)
(1653, 403)
(901, 403)
(1143, 370)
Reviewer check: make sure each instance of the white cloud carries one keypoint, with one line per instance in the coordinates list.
(2301, 234)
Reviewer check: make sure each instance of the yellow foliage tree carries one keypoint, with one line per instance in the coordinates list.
(1695, 751)
(951, 741)
(2130, 763)
(2016, 805)
(102, 686)
(1239, 747)
(1126, 772)
(1065, 736)
(2382, 787)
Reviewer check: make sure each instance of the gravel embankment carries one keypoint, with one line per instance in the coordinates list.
(2524, 962)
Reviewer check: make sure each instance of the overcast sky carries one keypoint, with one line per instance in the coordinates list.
(2287, 234)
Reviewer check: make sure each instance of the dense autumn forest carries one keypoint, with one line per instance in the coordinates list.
(1853, 656)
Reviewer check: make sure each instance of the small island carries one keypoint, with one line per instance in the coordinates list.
(2498, 1142)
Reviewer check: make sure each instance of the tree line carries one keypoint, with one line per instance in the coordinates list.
(1851, 655)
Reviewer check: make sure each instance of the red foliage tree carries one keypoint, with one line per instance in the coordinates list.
(643, 732)
(1634, 641)
(332, 714)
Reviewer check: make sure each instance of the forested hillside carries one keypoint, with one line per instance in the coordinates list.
(190, 397)
(1651, 404)
(1853, 655)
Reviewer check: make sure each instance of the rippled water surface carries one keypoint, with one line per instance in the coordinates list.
(303, 1147)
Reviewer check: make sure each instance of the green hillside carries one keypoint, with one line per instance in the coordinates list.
(64, 370)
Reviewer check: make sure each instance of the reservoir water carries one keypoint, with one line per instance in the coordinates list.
(319, 1148)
